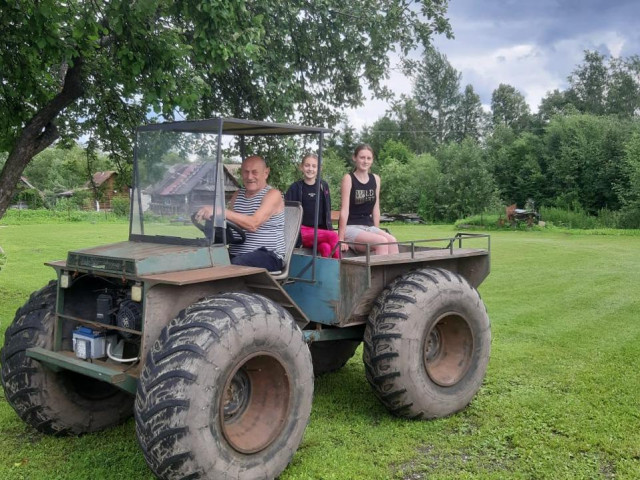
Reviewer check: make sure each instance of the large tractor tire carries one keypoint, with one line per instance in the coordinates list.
(427, 344)
(55, 403)
(331, 355)
(226, 391)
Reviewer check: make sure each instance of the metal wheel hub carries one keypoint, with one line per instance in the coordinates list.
(448, 350)
(433, 347)
(256, 402)
(236, 396)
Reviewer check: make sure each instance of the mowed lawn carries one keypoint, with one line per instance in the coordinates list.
(560, 400)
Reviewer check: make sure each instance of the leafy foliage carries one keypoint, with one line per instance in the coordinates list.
(470, 119)
(394, 152)
(584, 160)
(509, 108)
(333, 169)
(578, 154)
(466, 185)
(515, 165)
(100, 68)
(411, 186)
(120, 206)
(630, 196)
(437, 94)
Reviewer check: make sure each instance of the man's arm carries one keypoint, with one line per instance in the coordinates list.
(272, 203)
(206, 212)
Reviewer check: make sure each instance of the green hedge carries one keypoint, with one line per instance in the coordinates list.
(17, 217)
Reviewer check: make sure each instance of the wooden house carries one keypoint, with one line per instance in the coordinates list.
(104, 188)
(105, 184)
(187, 187)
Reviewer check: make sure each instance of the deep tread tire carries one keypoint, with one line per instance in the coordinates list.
(197, 418)
(55, 403)
(427, 344)
(331, 355)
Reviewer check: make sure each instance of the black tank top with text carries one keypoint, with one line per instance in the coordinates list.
(361, 201)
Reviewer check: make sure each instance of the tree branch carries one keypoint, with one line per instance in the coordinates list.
(39, 132)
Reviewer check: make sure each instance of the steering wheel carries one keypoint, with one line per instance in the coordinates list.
(235, 234)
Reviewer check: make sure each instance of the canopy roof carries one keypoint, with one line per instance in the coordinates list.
(233, 126)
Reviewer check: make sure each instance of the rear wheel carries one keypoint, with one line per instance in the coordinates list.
(427, 344)
(226, 391)
(56, 403)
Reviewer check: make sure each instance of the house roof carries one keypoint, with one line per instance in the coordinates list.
(233, 168)
(182, 179)
(100, 177)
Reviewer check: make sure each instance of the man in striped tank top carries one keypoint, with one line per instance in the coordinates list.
(259, 209)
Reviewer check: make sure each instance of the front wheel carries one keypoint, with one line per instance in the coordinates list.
(56, 403)
(226, 391)
(427, 344)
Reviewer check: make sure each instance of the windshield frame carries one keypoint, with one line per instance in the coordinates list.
(217, 127)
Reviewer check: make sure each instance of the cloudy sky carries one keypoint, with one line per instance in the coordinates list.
(531, 45)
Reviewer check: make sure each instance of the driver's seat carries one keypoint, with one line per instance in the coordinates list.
(292, 222)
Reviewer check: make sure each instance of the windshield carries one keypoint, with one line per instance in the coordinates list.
(176, 174)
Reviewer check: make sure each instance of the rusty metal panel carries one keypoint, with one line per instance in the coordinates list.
(200, 275)
(163, 302)
(121, 376)
(362, 281)
(167, 294)
(354, 286)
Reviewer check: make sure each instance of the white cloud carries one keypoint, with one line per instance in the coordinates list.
(532, 46)
(373, 109)
(521, 66)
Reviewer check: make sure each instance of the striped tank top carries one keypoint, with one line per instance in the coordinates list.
(270, 234)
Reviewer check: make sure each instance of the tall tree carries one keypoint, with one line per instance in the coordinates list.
(470, 117)
(466, 186)
(623, 92)
(382, 130)
(414, 124)
(588, 84)
(410, 187)
(509, 108)
(515, 165)
(343, 142)
(75, 67)
(554, 103)
(436, 92)
(96, 67)
(604, 85)
(629, 190)
(584, 156)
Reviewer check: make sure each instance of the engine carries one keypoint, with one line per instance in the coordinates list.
(119, 340)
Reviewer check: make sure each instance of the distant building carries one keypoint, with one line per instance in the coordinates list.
(104, 188)
(187, 187)
(105, 183)
(21, 203)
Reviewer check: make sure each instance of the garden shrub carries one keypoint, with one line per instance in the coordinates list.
(120, 206)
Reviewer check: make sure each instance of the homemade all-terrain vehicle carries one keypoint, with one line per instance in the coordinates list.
(216, 361)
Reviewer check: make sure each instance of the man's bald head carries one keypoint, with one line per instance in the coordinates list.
(254, 174)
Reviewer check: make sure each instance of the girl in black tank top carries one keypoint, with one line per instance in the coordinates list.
(360, 211)
(362, 201)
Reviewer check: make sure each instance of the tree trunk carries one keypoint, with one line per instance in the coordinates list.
(38, 134)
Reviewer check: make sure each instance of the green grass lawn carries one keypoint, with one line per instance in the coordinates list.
(560, 400)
